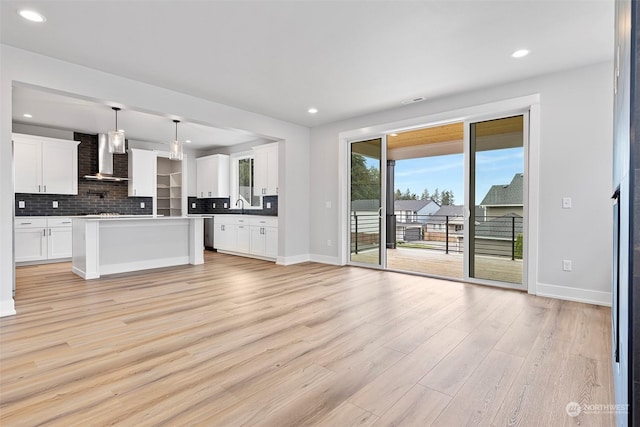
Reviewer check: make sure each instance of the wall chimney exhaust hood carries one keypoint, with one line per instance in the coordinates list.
(105, 162)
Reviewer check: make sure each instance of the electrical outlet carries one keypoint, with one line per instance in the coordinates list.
(566, 203)
(214, 205)
(566, 265)
(327, 204)
(55, 204)
(328, 242)
(193, 205)
(141, 205)
(268, 205)
(21, 204)
(225, 205)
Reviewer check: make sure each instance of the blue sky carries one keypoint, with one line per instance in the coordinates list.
(446, 172)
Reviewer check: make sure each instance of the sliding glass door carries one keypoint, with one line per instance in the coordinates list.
(497, 209)
(366, 202)
(480, 236)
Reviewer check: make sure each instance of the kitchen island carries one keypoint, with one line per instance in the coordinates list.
(109, 245)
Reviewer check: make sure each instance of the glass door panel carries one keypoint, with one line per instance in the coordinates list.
(496, 200)
(366, 200)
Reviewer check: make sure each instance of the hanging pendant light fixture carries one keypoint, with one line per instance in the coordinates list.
(175, 147)
(116, 138)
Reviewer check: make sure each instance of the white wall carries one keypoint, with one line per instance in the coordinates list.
(575, 161)
(22, 67)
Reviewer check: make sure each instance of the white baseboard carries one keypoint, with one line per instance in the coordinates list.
(84, 274)
(290, 260)
(574, 294)
(143, 265)
(324, 259)
(7, 308)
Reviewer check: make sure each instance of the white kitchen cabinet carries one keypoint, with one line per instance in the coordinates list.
(265, 178)
(243, 243)
(41, 239)
(30, 239)
(264, 236)
(142, 173)
(45, 165)
(59, 242)
(225, 233)
(212, 176)
(250, 235)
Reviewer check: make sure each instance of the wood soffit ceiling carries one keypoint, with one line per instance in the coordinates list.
(453, 132)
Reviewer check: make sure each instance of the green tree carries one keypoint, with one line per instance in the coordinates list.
(425, 195)
(365, 181)
(436, 197)
(447, 198)
(397, 195)
(517, 248)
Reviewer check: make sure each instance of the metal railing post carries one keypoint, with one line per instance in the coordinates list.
(446, 239)
(513, 238)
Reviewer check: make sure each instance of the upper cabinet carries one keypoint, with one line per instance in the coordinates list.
(212, 176)
(45, 165)
(266, 169)
(142, 173)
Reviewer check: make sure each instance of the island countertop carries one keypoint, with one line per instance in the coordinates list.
(118, 244)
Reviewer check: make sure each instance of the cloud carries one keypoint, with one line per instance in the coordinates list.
(437, 168)
(484, 158)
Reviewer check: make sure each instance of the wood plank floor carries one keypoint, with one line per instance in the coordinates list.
(439, 263)
(241, 342)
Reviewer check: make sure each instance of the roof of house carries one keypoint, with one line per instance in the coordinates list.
(411, 205)
(504, 227)
(440, 216)
(505, 195)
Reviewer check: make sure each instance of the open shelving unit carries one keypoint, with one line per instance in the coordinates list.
(169, 187)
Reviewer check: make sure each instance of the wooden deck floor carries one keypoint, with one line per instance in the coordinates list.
(241, 342)
(439, 263)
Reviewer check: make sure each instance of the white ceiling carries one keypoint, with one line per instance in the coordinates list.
(345, 58)
(63, 112)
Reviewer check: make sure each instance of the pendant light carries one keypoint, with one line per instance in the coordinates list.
(175, 147)
(116, 138)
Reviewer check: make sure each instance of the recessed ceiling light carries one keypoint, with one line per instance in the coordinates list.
(27, 115)
(520, 53)
(312, 110)
(31, 15)
(188, 141)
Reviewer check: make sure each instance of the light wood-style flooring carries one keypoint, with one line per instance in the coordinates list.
(241, 342)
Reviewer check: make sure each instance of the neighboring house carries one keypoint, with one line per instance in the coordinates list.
(497, 236)
(414, 210)
(504, 199)
(453, 215)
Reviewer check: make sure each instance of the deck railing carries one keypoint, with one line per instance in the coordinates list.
(499, 236)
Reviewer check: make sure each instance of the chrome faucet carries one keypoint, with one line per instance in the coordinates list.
(240, 200)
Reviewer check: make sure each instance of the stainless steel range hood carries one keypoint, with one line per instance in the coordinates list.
(105, 162)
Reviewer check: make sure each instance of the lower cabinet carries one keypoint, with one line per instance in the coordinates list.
(42, 239)
(247, 235)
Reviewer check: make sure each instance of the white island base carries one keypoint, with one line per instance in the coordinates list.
(121, 244)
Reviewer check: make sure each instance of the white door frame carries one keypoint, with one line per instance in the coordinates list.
(525, 195)
(529, 103)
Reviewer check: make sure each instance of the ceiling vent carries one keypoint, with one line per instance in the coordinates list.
(413, 100)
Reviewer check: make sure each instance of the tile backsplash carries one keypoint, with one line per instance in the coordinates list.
(205, 206)
(93, 196)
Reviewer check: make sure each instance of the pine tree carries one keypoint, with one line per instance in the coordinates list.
(425, 195)
(436, 197)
